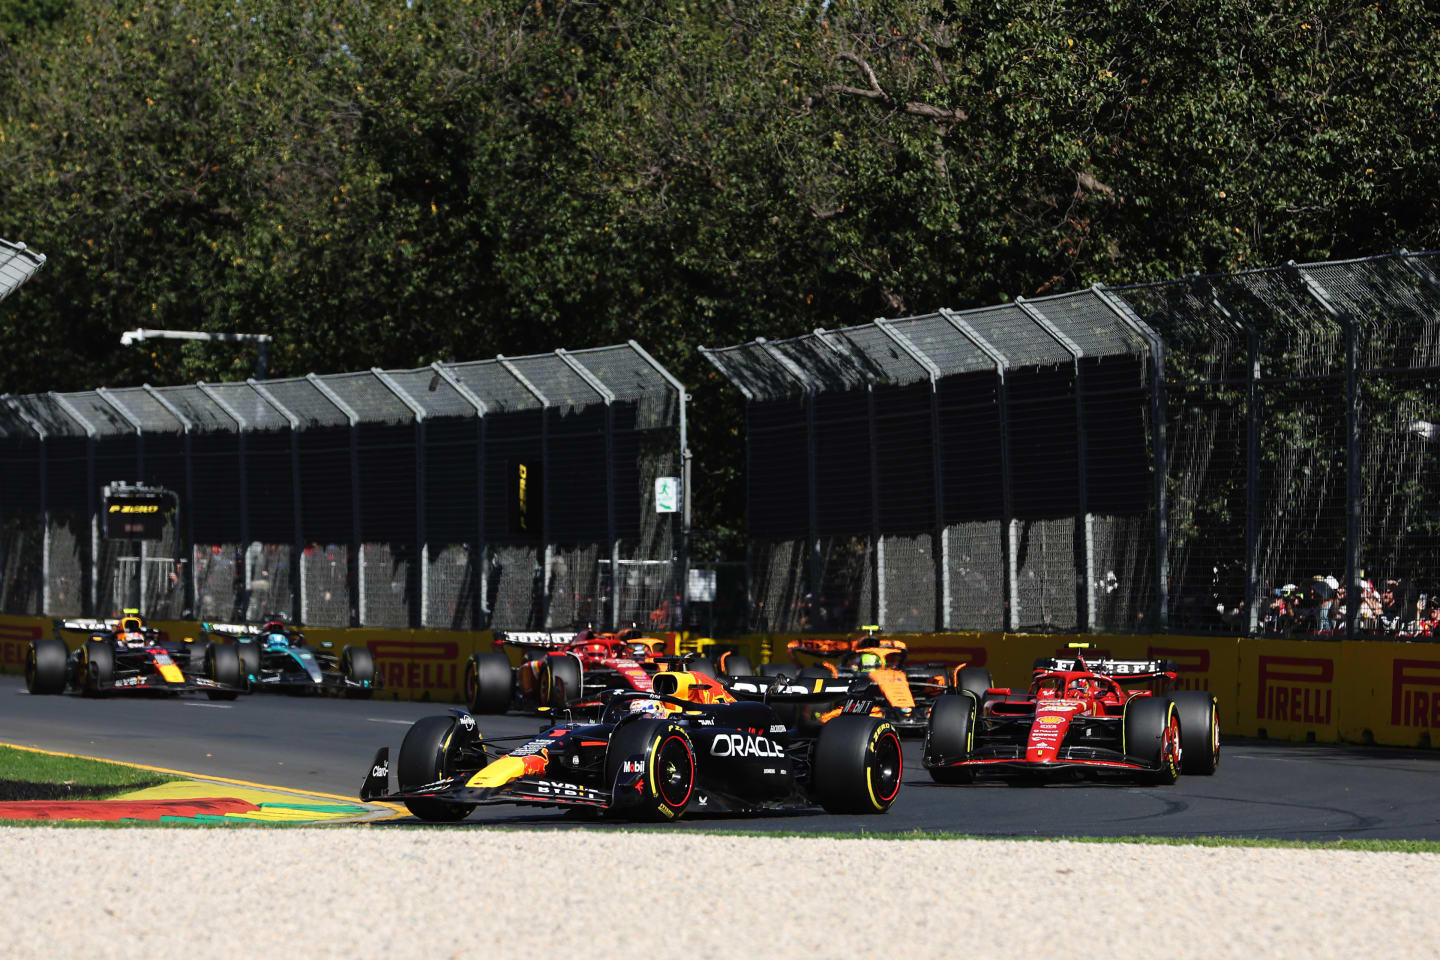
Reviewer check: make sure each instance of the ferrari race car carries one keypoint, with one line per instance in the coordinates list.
(688, 744)
(274, 656)
(570, 670)
(1107, 717)
(125, 655)
(900, 692)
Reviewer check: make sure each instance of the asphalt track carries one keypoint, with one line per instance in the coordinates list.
(1263, 789)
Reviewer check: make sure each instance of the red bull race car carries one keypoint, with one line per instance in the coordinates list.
(1120, 718)
(570, 670)
(688, 744)
(128, 656)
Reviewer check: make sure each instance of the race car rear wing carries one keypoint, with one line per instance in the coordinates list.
(86, 626)
(536, 639)
(1138, 669)
(786, 690)
(230, 629)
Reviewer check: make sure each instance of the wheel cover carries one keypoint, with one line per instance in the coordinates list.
(673, 771)
(886, 767)
(1170, 747)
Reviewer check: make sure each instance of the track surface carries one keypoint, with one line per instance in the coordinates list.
(1263, 789)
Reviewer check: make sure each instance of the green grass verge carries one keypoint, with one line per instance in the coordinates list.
(25, 775)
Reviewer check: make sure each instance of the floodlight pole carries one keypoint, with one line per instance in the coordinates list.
(261, 340)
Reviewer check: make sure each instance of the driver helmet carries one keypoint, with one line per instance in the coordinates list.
(871, 661)
(1081, 687)
(276, 640)
(647, 707)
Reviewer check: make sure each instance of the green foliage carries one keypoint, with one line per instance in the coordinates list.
(391, 183)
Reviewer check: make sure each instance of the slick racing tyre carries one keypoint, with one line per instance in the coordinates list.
(45, 666)
(428, 754)
(857, 765)
(196, 657)
(950, 735)
(97, 667)
(357, 665)
(249, 660)
(1199, 731)
(1152, 736)
(559, 681)
(776, 670)
(735, 665)
(488, 683)
(975, 680)
(222, 664)
(669, 771)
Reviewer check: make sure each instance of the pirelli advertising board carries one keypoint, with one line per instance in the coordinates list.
(137, 516)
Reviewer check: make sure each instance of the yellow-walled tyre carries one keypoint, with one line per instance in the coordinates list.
(45, 666)
(669, 773)
(857, 764)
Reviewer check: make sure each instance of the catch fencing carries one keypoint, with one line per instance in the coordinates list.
(515, 492)
(1209, 454)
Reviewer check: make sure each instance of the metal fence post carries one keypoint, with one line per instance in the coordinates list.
(1084, 539)
(815, 570)
(1159, 451)
(92, 498)
(422, 552)
(479, 610)
(1008, 538)
(44, 438)
(611, 542)
(545, 408)
(185, 528)
(357, 550)
(682, 550)
(297, 550)
(940, 555)
(1353, 488)
(242, 427)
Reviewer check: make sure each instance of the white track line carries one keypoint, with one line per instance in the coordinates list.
(212, 706)
(379, 720)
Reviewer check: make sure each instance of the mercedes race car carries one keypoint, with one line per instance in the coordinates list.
(126, 655)
(569, 670)
(274, 656)
(688, 744)
(1108, 717)
(901, 692)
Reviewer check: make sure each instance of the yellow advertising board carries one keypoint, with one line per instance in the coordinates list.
(1391, 693)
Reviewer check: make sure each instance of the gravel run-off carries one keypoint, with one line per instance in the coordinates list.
(490, 894)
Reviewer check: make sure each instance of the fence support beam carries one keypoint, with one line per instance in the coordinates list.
(1008, 539)
(297, 548)
(612, 543)
(185, 524)
(1084, 536)
(92, 498)
(479, 606)
(357, 545)
(1159, 449)
(1353, 489)
(44, 439)
(940, 553)
(545, 407)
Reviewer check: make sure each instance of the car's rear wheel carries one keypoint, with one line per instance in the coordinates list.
(950, 736)
(488, 683)
(97, 667)
(975, 680)
(560, 681)
(701, 665)
(669, 767)
(357, 664)
(1152, 736)
(736, 665)
(857, 765)
(45, 666)
(222, 664)
(1199, 731)
(427, 754)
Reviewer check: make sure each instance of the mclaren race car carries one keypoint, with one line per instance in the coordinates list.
(127, 656)
(274, 656)
(1107, 717)
(689, 744)
(900, 691)
(570, 670)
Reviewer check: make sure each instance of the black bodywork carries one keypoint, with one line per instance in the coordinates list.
(294, 667)
(140, 659)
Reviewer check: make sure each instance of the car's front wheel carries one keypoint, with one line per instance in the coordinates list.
(428, 754)
(667, 760)
(857, 764)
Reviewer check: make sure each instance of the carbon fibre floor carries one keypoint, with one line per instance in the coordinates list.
(1263, 789)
